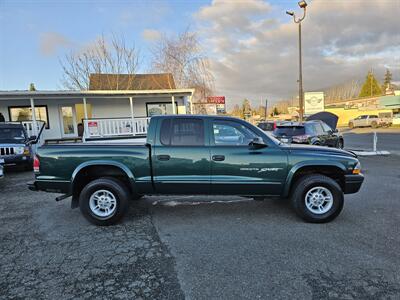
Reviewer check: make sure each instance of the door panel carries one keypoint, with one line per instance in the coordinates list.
(248, 172)
(238, 170)
(181, 158)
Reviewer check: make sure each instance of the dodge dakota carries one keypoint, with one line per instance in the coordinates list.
(189, 154)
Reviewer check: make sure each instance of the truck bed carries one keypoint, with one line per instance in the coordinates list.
(66, 159)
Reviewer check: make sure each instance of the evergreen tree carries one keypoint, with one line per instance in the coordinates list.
(370, 87)
(387, 81)
(32, 87)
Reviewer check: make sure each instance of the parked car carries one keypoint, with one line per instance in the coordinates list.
(373, 121)
(267, 125)
(396, 120)
(313, 132)
(197, 155)
(1, 168)
(15, 145)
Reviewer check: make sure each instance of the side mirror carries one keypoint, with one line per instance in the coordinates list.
(335, 131)
(257, 143)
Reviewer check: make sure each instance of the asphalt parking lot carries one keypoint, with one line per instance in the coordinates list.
(203, 247)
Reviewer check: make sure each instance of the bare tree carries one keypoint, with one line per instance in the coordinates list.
(345, 91)
(184, 57)
(102, 57)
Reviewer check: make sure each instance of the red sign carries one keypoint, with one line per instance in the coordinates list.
(92, 124)
(216, 99)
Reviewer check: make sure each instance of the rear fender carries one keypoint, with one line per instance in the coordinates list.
(84, 165)
(298, 166)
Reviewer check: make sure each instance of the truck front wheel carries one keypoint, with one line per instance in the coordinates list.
(104, 201)
(317, 198)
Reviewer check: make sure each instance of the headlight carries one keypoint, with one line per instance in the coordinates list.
(19, 150)
(357, 168)
(26, 151)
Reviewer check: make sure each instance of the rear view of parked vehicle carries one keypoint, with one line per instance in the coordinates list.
(311, 132)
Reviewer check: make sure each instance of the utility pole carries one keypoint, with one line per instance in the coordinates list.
(266, 110)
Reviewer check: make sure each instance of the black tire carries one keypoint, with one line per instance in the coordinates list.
(340, 144)
(374, 124)
(117, 189)
(308, 183)
(351, 125)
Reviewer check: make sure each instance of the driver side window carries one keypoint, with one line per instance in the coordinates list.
(228, 133)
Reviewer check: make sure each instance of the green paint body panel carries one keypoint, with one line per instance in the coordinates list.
(190, 169)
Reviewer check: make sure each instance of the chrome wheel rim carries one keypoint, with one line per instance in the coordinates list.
(103, 203)
(319, 200)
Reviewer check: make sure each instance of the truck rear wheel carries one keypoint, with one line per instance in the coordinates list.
(317, 198)
(104, 201)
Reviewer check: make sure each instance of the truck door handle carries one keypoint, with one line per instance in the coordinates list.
(218, 158)
(163, 157)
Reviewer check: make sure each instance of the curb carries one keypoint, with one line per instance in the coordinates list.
(371, 153)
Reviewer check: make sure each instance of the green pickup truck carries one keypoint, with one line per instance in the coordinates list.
(188, 154)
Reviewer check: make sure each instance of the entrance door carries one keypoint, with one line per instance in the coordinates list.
(68, 121)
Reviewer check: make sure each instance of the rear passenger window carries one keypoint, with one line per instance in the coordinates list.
(182, 132)
(165, 137)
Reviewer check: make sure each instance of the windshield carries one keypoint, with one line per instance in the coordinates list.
(12, 134)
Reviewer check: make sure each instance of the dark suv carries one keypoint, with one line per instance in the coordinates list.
(313, 132)
(15, 145)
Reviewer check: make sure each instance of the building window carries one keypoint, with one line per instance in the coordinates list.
(24, 113)
(160, 108)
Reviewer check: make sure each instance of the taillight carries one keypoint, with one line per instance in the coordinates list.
(274, 124)
(36, 164)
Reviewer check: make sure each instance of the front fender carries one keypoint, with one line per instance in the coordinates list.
(119, 165)
(303, 164)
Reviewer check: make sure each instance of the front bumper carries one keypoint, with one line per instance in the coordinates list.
(352, 183)
(17, 159)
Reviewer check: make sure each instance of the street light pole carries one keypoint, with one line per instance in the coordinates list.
(301, 94)
(303, 5)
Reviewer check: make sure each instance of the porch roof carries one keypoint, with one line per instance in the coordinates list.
(7, 95)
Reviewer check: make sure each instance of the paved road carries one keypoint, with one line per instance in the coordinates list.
(253, 250)
(199, 248)
(362, 139)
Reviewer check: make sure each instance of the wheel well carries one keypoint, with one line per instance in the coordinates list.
(91, 173)
(333, 172)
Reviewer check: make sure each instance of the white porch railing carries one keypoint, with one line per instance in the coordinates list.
(98, 128)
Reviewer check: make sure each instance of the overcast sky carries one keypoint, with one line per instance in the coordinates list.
(252, 44)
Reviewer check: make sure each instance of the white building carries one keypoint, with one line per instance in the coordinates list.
(98, 113)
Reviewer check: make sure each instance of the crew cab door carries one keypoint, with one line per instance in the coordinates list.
(181, 157)
(236, 168)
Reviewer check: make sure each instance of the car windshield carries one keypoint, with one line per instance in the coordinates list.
(289, 130)
(15, 134)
